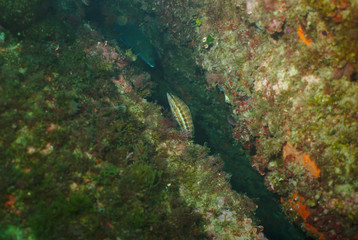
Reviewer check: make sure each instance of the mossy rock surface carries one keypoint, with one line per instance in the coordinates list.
(18, 15)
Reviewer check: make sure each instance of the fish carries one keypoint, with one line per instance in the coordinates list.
(131, 36)
(181, 113)
(85, 2)
(227, 99)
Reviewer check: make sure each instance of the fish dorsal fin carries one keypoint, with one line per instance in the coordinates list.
(181, 113)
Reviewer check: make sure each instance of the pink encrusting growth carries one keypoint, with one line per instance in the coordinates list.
(288, 69)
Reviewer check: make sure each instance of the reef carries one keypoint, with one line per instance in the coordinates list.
(289, 71)
(84, 155)
(19, 15)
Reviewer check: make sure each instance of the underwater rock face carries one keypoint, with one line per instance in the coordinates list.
(17, 15)
(289, 71)
(85, 156)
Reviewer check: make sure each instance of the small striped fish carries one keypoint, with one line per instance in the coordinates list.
(181, 113)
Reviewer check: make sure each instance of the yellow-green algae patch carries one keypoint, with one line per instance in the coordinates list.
(289, 70)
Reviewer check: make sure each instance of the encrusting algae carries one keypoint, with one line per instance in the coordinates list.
(290, 153)
(289, 70)
(86, 156)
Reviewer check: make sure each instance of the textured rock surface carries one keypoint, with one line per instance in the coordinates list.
(85, 156)
(289, 71)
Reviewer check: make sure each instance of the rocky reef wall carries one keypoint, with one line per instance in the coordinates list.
(289, 71)
(85, 156)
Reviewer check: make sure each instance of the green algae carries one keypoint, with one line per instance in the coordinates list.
(294, 84)
(84, 158)
(17, 15)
